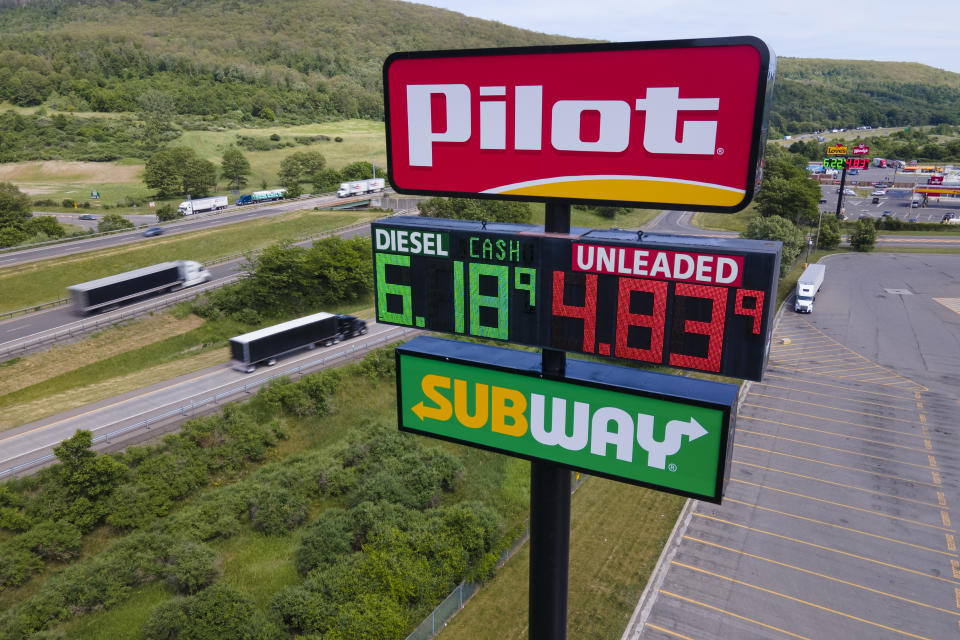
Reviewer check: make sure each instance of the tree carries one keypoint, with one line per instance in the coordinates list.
(829, 234)
(777, 228)
(179, 171)
(14, 206)
(787, 191)
(162, 173)
(864, 236)
(472, 209)
(166, 212)
(157, 109)
(113, 222)
(326, 180)
(199, 177)
(300, 166)
(88, 479)
(234, 167)
(360, 170)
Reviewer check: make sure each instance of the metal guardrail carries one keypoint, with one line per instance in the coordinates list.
(91, 324)
(191, 407)
(212, 261)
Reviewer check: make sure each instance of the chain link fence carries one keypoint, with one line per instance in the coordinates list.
(453, 603)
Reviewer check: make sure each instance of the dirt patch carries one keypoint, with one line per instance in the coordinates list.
(98, 172)
(48, 364)
(77, 397)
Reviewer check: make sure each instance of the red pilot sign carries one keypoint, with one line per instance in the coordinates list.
(677, 124)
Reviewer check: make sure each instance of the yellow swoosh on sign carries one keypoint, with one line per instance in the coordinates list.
(627, 188)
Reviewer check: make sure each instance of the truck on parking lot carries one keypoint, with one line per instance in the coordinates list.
(808, 286)
(110, 291)
(265, 346)
(189, 207)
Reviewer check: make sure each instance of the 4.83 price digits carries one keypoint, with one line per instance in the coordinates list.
(691, 333)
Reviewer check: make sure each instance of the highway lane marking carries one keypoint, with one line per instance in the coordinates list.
(825, 432)
(832, 408)
(138, 397)
(732, 614)
(667, 631)
(798, 600)
(822, 575)
(841, 527)
(881, 514)
(830, 549)
(741, 416)
(815, 417)
(838, 466)
(841, 484)
(838, 386)
(829, 448)
(826, 395)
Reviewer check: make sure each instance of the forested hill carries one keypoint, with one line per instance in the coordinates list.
(312, 60)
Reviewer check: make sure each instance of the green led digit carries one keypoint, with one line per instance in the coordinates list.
(498, 302)
(530, 286)
(458, 296)
(384, 288)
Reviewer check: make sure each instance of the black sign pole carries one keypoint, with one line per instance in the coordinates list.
(843, 184)
(550, 507)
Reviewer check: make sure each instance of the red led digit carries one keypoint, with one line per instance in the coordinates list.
(756, 313)
(626, 319)
(713, 329)
(587, 313)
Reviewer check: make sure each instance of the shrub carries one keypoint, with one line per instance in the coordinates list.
(829, 235)
(275, 511)
(67, 203)
(191, 567)
(51, 540)
(17, 565)
(325, 540)
(864, 236)
(214, 613)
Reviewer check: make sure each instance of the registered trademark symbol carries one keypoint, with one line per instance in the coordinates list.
(672, 467)
(720, 151)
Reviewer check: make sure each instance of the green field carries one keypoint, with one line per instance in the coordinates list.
(42, 281)
(120, 181)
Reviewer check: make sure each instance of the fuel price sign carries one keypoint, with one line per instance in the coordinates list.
(694, 303)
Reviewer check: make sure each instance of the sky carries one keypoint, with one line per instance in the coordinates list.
(873, 30)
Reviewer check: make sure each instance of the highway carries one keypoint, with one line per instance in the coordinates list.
(197, 222)
(164, 406)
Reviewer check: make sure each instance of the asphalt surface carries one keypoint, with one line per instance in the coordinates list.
(838, 520)
(195, 222)
(186, 396)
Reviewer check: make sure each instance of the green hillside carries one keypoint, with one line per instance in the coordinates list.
(220, 64)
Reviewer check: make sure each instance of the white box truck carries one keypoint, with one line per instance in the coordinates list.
(99, 294)
(808, 286)
(360, 187)
(189, 207)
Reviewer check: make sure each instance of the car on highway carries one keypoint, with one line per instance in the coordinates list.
(153, 231)
(88, 216)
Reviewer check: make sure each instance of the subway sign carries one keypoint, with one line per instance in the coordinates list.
(650, 429)
(695, 303)
(673, 124)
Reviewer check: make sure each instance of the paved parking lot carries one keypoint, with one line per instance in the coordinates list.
(836, 522)
(896, 201)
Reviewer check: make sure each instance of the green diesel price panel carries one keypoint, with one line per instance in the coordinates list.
(695, 303)
(458, 278)
(635, 426)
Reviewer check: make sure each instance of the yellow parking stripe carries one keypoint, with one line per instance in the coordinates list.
(825, 406)
(810, 415)
(730, 613)
(823, 575)
(839, 466)
(799, 600)
(650, 625)
(827, 395)
(840, 484)
(932, 463)
(845, 506)
(838, 386)
(838, 435)
(826, 548)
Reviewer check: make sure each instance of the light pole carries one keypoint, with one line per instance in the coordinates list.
(809, 245)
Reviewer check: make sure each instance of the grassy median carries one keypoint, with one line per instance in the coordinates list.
(41, 281)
